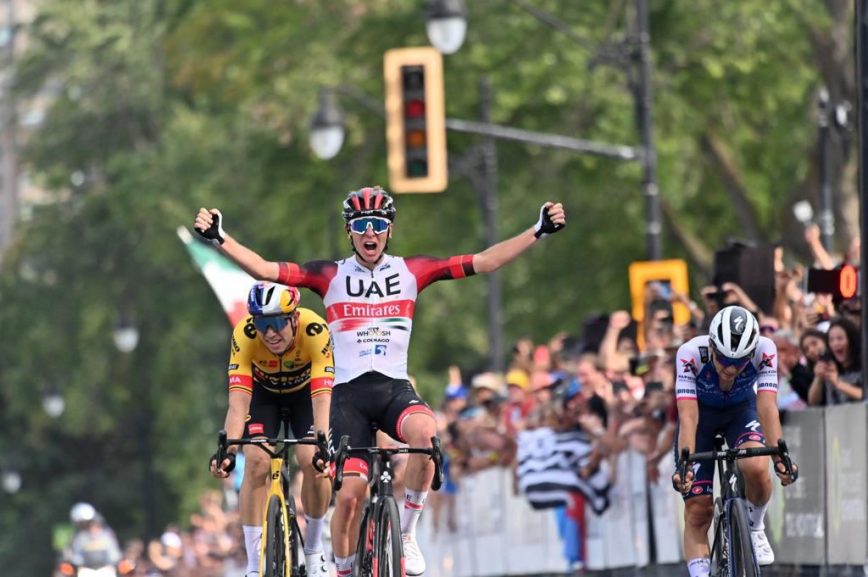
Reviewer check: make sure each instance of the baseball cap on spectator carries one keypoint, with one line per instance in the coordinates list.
(489, 380)
(518, 378)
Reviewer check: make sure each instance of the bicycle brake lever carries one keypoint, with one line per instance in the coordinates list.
(340, 457)
(787, 462)
(437, 457)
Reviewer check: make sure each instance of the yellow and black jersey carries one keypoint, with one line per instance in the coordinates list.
(308, 362)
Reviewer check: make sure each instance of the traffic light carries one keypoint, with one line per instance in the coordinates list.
(669, 275)
(415, 120)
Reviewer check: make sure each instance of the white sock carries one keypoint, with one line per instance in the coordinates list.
(344, 565)
(414, 502)
(252, 542)
(757, 514)
(699, 567)
(313, 534)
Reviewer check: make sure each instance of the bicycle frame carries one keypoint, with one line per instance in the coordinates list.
(381, 505)
(279, 488)
(731, 492)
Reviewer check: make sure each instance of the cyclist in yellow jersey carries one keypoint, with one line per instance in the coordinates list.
(280, 364)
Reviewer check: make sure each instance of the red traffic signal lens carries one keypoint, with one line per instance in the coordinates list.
(415, 109)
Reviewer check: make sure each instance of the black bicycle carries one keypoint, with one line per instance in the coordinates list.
(732, 553)
(282, 543)
(380, 552)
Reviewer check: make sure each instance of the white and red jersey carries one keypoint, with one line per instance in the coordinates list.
(370, 312)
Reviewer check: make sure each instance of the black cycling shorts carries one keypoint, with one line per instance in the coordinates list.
(268, 410)
(369, 402)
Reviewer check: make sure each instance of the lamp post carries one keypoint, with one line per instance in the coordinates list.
(327, 127)
(446, 24)
(53, 402)
(125, 334)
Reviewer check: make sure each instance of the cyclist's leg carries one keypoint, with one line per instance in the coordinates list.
(698, 504)
(262, 421)
(348, 418)
(315, 489)
(745, 431)
(410, 420)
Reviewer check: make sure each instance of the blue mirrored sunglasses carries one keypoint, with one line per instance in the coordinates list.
(377, 223)
(729, 362)
(274, 322)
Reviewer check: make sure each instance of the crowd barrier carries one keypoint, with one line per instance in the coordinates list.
(820, 520)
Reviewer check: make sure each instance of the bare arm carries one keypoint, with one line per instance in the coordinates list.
(769, 418)
(506, 251)
(688, 419)
(251, 262)
(239, 406)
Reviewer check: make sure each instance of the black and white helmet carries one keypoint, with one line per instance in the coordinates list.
(734, 332)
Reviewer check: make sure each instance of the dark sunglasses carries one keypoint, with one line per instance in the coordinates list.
(275, 322)
(376, 223)
(729, 362)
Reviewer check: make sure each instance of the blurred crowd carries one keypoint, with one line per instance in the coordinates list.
(615, 380)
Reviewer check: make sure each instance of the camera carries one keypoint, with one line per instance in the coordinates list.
(827, 357)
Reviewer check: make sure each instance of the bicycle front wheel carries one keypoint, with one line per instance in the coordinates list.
(362, 567)
(388, 549)
(741, 556)
(276, 557)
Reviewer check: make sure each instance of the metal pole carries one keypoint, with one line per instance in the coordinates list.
(826, 217)
(862, 95)
(489, 211)
(653, 227)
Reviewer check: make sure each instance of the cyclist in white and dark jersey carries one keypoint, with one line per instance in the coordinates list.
(370, 299)
(727, 383)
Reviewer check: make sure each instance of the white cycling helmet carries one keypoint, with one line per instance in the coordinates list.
(82, 513)
(734, 332)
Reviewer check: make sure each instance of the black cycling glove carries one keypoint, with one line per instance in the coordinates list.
(229, 456)
(545, 226)
(214, 234)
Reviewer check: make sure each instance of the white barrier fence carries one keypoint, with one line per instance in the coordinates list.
(498, 533)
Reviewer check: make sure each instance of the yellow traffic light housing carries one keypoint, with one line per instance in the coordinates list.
(415, 120)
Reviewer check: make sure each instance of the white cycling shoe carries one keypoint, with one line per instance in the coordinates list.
(761, 548)
(414, 563)
(316, 565)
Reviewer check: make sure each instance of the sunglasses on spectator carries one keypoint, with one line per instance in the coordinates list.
(275, 322)
(765, 329)
(730, 362)
(376, 223)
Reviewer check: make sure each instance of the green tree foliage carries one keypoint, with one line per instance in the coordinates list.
(159, 107)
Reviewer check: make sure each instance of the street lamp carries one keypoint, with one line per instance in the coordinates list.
(125, 334)
(10, 480)
(327, 127)
(446, 23)
(53, 402)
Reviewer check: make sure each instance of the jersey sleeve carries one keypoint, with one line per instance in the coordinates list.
(314, 275)
(429, 269)
(318, 342)
(687, 367)
(766, 359)
(240, 362)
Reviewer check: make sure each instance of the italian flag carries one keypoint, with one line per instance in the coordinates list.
(227, 280)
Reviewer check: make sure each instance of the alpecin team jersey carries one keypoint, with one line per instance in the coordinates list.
(697, 379)
(370, 312)
(309, 361)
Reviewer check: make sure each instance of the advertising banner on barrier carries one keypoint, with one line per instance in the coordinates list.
(846, 502)
(796, 519)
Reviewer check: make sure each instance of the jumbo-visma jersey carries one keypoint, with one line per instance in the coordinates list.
(697, 379)
(370, 312)
(308, 362)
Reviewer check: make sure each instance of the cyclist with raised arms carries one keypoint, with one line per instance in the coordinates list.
(280, 363)
(727, 383)
(370, 299)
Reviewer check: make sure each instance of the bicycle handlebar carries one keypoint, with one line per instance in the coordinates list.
(345, 450)
(321, 442)
(738, 453)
